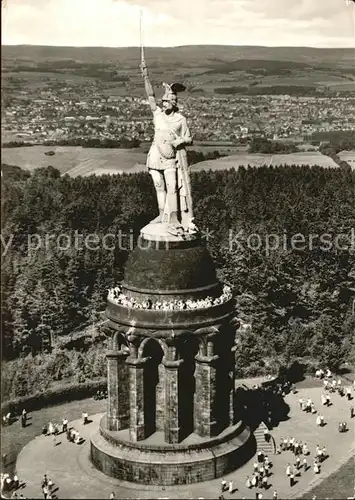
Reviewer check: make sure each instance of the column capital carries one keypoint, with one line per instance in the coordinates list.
(116, 354)
(172, 363)
(206, 359)
(136, 362)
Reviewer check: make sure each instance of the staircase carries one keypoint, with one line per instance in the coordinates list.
(268, 448)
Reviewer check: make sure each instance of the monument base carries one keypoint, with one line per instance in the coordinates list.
(149, 462)
(165, 232)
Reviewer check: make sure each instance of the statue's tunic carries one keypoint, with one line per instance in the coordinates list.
(162, 155)
(167, 128)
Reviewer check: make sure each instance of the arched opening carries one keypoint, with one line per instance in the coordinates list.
(153, 385)
(187, 350)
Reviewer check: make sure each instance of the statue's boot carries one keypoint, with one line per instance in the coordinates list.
(159, 218)
(173, 219)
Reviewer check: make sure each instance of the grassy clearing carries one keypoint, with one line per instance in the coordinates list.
(15, 437)
(340, 484)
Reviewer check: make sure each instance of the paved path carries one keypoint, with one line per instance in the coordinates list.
(68, 464)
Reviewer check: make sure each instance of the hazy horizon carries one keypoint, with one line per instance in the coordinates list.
(175, 46)
(115, 23)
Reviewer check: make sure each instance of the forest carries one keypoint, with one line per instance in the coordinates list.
(298, 302)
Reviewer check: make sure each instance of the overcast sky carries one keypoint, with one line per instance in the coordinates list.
(115, 23)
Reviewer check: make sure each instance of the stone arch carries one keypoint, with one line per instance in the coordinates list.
(118, 340)
(143, 346)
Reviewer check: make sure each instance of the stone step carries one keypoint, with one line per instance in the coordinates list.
(269, 447)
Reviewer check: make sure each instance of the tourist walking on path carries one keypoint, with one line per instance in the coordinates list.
(64, 425)
(50, 428)
(45, 492)
(230, 487)
(264, 482)
(23, 418)
(16, 481)
(223, 485)
(288, 470)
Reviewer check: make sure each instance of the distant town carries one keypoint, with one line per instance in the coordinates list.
(65, 114)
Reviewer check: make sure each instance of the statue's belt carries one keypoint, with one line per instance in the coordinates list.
(166, 149)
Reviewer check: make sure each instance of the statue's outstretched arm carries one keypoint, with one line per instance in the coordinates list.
(148, 87)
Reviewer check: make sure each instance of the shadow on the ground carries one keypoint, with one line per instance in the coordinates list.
(266, 403)
(261, 405)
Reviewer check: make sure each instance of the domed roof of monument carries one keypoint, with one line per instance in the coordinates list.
(186, 267)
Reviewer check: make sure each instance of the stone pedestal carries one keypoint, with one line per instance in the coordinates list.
(182, 424)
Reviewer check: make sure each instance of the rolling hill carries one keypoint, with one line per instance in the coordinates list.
(189, 55)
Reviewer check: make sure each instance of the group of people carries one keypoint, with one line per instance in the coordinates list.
(116, 296)
(73, 436)
(47, 487)
(307, 405)
(300, 450)
(337, 386)
(9, 484)
(7, 419)
(53, 429)
(100, 395)
(258, 479)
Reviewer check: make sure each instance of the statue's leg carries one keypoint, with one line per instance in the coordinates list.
(159, 184)
(172, 194)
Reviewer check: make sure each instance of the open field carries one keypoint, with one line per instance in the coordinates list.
(75, 160)
(348, 156)
(258, 160)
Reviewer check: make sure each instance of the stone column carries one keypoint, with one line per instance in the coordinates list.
(117, 408)
(205, 413)
(171, 379)
(137, 430)
(232, 397)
